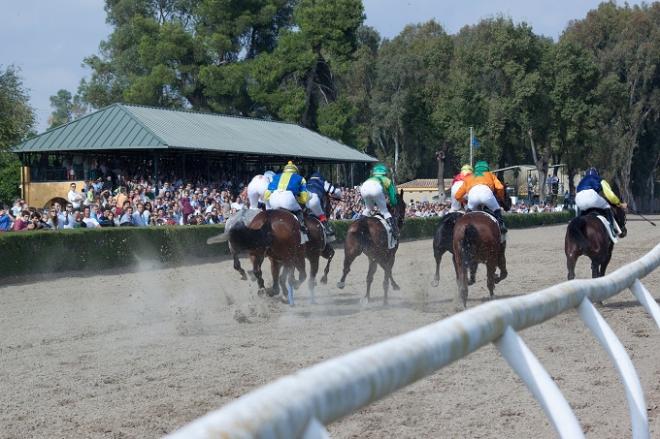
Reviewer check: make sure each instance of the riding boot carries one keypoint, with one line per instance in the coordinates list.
(329, 229)
(610, 218)
(395, 230)
(500, 221)
(301, 220)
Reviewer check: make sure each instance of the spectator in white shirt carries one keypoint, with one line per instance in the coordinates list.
(88, 220)
(75, 198)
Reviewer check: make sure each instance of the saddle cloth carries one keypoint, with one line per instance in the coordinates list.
(391, 241)
(244, 216)
(606, 223)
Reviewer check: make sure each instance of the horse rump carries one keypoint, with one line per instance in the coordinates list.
(576, 235)
(242, 237)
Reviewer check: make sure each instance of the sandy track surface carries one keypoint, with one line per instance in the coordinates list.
(140, 354)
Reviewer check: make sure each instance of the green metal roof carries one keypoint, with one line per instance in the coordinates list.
(121, 126)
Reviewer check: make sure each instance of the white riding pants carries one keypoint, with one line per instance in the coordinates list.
(373, 196)
(284, 200)
(589, 199)
(256, 189)
(481, 195)
(314, 204)
(455, 204)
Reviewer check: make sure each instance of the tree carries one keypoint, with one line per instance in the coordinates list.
(626, 43)
(16, 121)
(182, 53)
(66, 108)
(300, 75)
(498, 86)
(409, 71)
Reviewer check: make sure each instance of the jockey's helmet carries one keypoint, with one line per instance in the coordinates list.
(316, 175)
(593, 171)
(380, 169)
(481, 167)
(269, 175)
(290, 167)
(467, 170)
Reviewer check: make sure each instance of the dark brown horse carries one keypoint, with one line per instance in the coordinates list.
(586, 235)
(368, 235)
(477, 240)
(443, 241)
(274, 234)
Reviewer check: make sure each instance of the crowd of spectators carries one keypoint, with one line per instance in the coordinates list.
(113, 202)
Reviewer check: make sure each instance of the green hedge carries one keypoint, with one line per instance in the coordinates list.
(90, 250)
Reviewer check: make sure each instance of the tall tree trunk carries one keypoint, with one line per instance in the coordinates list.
(541, 163)
(309, 114)
(396, 153)
(441, 157)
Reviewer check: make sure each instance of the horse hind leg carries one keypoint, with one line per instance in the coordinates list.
(328, 253)
(501, 264)
(395, 286)
(461, 281)
(275, 267)
(351, 251)
(436, 277)
(370, 278)
(237, 266)
(313, 270)
(490, 278)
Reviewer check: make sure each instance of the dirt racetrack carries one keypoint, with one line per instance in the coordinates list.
(139, 354)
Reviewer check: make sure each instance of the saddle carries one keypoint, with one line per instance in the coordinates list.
(391, 240)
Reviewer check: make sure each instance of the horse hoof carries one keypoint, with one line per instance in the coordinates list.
(324, 280)
(261, 291)
(271, 292)
(364, 301)
(471, 281)
(341, 285)
(396, 287)
(435, 283)
(243, 276)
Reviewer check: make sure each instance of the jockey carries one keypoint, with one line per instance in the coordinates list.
(318, 187)
(590, 192)
(466, 171)
(257, 187)
(373, 193)
(483, 188)
(288, 191)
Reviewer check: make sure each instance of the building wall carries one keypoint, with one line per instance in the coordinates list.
(39, 195)
(419, 195)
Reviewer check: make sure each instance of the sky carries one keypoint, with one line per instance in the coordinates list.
(48, 39)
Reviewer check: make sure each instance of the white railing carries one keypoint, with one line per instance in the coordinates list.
(299, 405)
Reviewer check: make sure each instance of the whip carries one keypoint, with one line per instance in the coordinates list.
(644, 218)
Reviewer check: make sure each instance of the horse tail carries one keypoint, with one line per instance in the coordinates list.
(576, 234)
(242, 237)
(469, 244)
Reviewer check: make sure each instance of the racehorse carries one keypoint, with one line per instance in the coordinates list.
(477, 239)
(444, 237)
(274, 234)
(368, 235)
(586, 235)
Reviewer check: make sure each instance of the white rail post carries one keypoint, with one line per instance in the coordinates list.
(647, 301)
(315, 430)
(623, 364)
(539, 382)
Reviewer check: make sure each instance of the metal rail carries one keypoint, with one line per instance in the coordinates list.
(299, 405)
